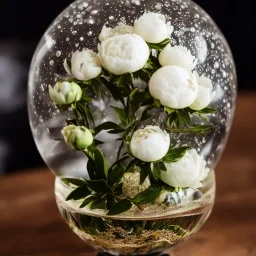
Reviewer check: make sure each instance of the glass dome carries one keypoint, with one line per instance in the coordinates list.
(78, 27)
(130, 104)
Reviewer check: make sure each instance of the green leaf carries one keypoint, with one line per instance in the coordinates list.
(98, 203)
(140, 98)
(76, 182)
(116, 172)
(88, 200)
(79, 193)
(98, 186)
(156, 171)
(110, 202)
(148, 196)
(108, 126)
(117, 131)
(207, 110)
(91, 168)
(120, 207)
(199, 129)
(183, 118)
(175, 154)
(169, 110)
(160, 46)
(144, 173)
(101, 170)
(162, 167)
(98, 142)
(157, 103)
(115, 175)
(114, 90)
(129, 130)
(122, 115)
(172, 118)
(154, 62)
(148, 66)
(87, 82)
(132, 164)
(143, 75)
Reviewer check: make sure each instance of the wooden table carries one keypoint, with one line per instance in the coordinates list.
(31, 225)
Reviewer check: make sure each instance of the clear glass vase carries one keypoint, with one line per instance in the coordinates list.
(137, 232)
(177, 213)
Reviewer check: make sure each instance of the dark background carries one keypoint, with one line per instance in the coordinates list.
(23, 22)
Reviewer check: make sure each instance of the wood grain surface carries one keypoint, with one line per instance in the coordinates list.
(31, 225)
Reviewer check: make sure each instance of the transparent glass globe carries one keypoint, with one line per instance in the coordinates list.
(78, 27)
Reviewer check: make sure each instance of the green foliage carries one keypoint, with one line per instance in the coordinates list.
(175, 154)
(160, 46)
(148, 196)
(110, 127)
(104, 189)
(120, 207)
(181, 120)
(79, 193)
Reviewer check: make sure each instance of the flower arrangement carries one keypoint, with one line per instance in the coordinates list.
(150, 165)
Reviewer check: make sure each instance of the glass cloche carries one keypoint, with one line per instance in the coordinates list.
(130, 104)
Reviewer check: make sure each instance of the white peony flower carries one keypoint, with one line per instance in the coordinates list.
(118, 30)
(150, 144)
(77, 137)
(152, 27)
(65, 93)
(124, 54)
(177, 56)
(85, 65)
(175, 87)
(204, 95)
(188, 172)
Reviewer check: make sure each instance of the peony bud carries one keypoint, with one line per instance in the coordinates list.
(152, 27)
(188, 172)
(177, 56)
(65, 93)
(150, 144)
(175, 87)
(77, 137)
(124, 54)
(85, 65)
(204, 95)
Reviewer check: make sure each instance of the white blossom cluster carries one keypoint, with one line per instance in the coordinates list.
(177, 85)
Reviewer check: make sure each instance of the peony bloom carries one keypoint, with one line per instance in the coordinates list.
(77, 137)
(65, 93)
(85, 65)
(204, 95)
(118, 30)
(124, 54)
(152, 27)
(188, 172)
(175, 87)
(150, 144)
(177, 56)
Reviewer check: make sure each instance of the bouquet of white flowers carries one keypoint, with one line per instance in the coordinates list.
(150, 166)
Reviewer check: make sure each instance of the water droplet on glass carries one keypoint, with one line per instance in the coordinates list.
(58, 53)
(216, 65)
